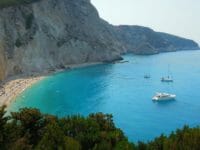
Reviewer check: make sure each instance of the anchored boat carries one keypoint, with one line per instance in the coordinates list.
(163, 97)
(168, 78)
(147, 76)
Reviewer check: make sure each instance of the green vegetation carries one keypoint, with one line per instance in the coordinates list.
(184, 139)
(28, 129)
(7, 3)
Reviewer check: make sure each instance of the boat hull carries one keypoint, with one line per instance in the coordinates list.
(172, 97)
(167, 80)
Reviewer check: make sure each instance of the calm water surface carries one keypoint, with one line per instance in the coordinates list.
(120, 89)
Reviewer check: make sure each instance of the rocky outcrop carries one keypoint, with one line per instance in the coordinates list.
(176, 43)
(145, 49)
(50, 34)
(2, 64)
(143, 40)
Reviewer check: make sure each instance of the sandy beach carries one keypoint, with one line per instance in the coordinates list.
(12, 87)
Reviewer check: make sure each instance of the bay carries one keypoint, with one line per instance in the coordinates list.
(122, 90)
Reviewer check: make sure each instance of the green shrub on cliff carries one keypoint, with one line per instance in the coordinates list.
(28, 129)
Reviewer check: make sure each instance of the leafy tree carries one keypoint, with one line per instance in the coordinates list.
(55, 139)
(28, 129)
(125, 145)
(21, 144)
(3, 121)
(142, 146)
(103, 145)
(105, 121)
(30, 121)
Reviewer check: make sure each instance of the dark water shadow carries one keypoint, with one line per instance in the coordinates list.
(165, 103)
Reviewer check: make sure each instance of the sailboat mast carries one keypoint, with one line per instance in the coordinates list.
(168, 70)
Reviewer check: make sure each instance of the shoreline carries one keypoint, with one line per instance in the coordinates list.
(14, 86)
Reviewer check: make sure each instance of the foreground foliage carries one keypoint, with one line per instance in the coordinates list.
(29, 129)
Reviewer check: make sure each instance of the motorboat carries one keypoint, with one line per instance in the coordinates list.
(163, 97)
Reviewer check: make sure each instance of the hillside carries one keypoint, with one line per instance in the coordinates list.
(51, 34)
(143, 40)
(41, 35)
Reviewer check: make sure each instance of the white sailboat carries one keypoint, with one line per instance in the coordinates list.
(168, 78)
(147, 74)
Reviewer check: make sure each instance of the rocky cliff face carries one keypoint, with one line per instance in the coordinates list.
(145, 41)
(50, 34)
(2, 64)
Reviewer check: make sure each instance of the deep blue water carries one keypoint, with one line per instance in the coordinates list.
(120, 89)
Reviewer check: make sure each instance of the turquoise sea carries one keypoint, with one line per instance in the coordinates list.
(121, 89)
